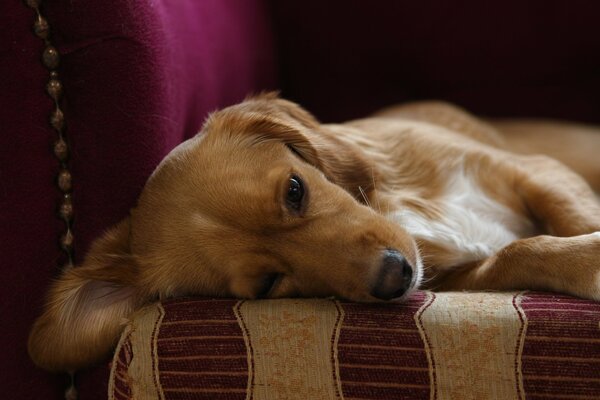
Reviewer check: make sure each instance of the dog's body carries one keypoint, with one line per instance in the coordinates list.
(267, 202)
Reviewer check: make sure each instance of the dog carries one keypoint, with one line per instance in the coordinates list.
(266, 202)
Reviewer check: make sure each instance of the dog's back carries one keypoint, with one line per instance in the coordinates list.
(575, 145)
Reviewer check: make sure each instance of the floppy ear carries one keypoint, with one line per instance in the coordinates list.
(87, 306)
(342, 162)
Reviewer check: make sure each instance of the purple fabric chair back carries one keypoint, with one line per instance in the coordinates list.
(138, 77)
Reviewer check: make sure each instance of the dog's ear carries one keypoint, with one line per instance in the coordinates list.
(342, 162)
(270, 104)
(87, 306)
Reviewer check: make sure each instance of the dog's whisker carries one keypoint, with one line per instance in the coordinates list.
(364, 196)
(374, 189)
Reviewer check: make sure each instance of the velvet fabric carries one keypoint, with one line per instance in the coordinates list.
(343, 59)
(140, 76)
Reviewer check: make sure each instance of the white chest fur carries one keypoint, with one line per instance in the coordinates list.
(473, 226)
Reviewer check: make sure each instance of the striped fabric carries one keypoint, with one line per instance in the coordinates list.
(435, 346)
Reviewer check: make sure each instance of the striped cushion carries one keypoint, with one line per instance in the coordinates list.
(435, 346)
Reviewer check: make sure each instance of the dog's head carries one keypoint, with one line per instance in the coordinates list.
(264, 203)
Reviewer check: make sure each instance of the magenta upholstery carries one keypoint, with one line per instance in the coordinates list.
(140, 76)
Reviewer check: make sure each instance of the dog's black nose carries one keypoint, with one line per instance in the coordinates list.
(394, 278)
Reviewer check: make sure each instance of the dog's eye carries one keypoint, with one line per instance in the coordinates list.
(295, 193)
(267, 284)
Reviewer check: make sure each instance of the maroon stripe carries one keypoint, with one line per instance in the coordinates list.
(540, 299)
(386, 316)
(122, 388)
(121, 396)
(562, 346)
(375, 392)
(563, 316)
(411, 359)
(546, 397)
(203, 364)
(197, 309)
(574, 369)
(561, 349)
(377, 374)
(126, 351)
(567, 387)
(192, 328)
(550, 328)
(192, 347)
(222, 395)
(202, 346)
(576, 312)
(577, 307)
(540, 396)
(374, 338)
(169, 381)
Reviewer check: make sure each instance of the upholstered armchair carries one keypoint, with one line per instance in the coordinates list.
(95, 93)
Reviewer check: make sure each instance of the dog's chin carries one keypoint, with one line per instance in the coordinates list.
(404, 297)
(373, 300)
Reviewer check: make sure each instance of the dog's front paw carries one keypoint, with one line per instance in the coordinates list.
(595, 248)
(581, 277)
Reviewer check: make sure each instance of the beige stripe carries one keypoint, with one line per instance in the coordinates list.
(291, 344)
(520, 343)
(116, 362)
(335, 340)
(249, 353)
(474, 341)
(143, 369)
(427, 344)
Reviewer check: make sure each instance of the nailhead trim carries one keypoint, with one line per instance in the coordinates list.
(54, 88)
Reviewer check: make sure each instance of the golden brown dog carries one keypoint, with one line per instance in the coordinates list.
(268, 202)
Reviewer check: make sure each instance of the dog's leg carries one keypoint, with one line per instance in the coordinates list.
(575, 145)
(568, 262)
(559, 198)
(568, 265)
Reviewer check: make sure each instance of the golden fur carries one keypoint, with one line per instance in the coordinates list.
(214, 219)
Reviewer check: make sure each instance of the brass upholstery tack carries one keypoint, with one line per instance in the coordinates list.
(54, 89)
